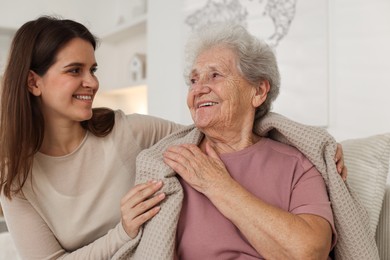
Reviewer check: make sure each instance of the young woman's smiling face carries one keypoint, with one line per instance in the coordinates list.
(67, 89)
(219, 97)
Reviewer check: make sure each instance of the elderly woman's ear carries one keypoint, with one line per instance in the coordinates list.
(261, 93)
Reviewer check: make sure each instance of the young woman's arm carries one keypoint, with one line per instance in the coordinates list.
(34, 239)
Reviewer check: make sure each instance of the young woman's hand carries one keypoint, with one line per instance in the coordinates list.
(339, 159)
(139, 205)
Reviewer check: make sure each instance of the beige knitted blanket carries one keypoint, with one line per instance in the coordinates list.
(157, 239)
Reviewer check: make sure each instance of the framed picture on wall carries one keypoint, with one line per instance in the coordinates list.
(298, 32)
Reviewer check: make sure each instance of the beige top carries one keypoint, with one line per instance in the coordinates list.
(71, 204)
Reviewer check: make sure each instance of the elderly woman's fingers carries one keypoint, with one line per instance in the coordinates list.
(198, 169)
(179, 158)
(177, 153)
(175, 165)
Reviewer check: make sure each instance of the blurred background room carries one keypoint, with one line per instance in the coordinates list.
(334, 55)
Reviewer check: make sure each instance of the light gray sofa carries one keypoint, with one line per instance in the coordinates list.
(383, 229)
(368, 161)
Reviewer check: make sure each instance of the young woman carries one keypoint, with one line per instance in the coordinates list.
(67, 170)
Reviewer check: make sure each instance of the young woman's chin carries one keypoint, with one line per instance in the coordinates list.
(86, 115)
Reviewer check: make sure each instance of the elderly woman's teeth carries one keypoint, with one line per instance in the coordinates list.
(208, 104)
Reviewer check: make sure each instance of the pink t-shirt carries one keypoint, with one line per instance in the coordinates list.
(277, 173)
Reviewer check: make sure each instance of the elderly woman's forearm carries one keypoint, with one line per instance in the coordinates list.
(274, 233)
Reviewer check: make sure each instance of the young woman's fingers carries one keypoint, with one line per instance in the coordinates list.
(140, 192)
(146, 205)
(132, 226)
(135, 216)
(339, 153)
(344, 173)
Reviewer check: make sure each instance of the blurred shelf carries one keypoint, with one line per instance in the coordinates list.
(125, 30)
(120, 89)
(130, 100)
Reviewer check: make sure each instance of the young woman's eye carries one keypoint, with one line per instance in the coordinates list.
(93, 70)
(74, 70)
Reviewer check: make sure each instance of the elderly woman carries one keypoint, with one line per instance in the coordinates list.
(250, 191)
(245, 196)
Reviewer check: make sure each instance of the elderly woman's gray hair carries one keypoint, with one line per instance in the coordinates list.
(256, 60)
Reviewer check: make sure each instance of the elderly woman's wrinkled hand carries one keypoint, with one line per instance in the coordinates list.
(204, 172)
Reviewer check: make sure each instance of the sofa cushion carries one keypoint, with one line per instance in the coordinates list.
(383, 230)
(367, 160)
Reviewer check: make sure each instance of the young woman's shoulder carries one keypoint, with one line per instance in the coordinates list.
(142, 122)
(144, 128)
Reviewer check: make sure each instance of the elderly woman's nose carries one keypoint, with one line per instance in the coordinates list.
(200, 88)
(202, 84)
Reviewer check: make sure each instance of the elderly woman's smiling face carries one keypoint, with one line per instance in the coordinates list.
(219, 97)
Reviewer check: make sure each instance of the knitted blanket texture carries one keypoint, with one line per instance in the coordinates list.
(156, 241)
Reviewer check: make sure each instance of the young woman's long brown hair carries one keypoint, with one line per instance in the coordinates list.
(34, 47)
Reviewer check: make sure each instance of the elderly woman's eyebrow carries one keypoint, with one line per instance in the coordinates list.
(196, 71)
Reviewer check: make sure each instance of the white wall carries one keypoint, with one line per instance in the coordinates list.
(98, 15)
(359, 60)
(359, 68)
(166, 88)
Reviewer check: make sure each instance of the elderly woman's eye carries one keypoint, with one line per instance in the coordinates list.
(193, 81)
(215, 74)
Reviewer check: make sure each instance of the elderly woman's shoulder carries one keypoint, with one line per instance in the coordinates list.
(285, 149)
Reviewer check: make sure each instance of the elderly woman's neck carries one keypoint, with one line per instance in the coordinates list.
(222, 146)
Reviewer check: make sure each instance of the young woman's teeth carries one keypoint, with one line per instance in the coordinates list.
(207, 104)
(83, 97)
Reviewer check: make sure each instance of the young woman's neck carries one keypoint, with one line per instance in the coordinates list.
(60, 141)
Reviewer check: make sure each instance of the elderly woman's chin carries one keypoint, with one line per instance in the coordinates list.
(202, 120)
(201, 125)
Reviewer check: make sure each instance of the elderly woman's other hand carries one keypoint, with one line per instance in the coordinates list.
(205, 172)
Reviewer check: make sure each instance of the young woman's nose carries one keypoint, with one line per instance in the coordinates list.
(90, 81)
